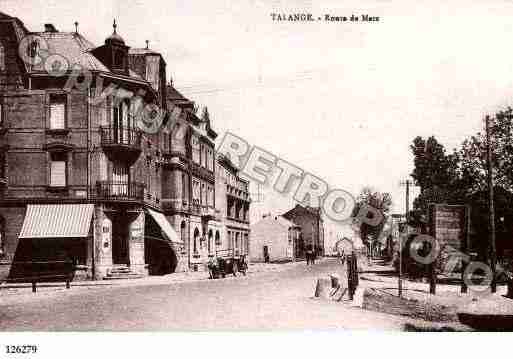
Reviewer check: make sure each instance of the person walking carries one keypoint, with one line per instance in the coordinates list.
(308, 255)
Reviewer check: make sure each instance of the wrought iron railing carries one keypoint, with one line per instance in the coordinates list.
(119, 190)
(120, 136)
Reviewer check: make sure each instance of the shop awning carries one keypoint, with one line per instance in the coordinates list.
(165, 226)
(57, 221)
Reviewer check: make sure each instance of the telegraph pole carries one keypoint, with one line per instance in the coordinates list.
(406, 183)
(491, 210)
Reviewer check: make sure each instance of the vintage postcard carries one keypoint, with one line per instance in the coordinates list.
(254, 165)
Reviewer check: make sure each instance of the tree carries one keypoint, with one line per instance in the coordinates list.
(382, 202)
(435, 172)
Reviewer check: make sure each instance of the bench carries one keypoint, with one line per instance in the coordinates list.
(44, 272)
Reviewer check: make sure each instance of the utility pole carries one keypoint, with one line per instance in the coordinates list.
(491, 210)
(406, 183)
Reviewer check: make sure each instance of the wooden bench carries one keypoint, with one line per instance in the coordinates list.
(45, 272)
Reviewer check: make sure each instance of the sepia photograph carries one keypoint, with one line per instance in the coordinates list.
(293, 167)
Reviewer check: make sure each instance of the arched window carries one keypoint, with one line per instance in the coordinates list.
(2, 58)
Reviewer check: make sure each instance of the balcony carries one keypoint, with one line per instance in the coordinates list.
(119, 191)
(207, 213)
(175, 206)
(238, 192)
(121, 143)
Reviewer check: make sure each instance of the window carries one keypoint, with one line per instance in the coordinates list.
(2, 58)
(121, 123)
(120, 178)
(2, 237)
(184, 187)
(2, 165)
(58, 170)
(57, 112)
(218, 239)
(119, 59)
(195, 149)
(195, 243)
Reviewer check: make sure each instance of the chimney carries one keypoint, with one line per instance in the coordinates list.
(50, 28)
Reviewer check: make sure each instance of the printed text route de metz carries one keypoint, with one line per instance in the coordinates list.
(304, 17)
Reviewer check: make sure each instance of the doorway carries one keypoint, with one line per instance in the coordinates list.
(120, 238)
(266, 254)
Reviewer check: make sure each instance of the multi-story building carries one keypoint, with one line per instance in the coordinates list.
(312, 228)
(79, 179)
(232, 193)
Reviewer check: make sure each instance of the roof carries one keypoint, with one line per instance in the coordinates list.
(57, 221)
(287, 223)
(315, 211)
(279, 220)
(142, 51)
(174, 95)
(73, 46)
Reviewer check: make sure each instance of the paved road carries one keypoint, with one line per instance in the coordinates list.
(274, 300)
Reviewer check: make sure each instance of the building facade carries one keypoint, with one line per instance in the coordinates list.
(274, 239)
(233, 196)
(79, 179)
(312, 228)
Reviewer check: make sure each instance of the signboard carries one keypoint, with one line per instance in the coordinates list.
(449, 225)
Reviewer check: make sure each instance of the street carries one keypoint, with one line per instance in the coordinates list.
(259, 301)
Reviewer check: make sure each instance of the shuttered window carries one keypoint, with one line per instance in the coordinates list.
(58, 172)
(57, 112)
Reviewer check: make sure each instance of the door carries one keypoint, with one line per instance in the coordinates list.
(120, 237)
(266, 254)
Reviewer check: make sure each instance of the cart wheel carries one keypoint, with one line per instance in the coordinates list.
(235, 269)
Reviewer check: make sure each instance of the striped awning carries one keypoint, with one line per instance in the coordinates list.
(57, 221)
(165, 226)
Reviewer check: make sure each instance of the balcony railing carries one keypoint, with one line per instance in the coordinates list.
(127, 137)
(120, 191)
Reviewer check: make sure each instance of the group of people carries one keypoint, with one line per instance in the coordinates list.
(310, 254)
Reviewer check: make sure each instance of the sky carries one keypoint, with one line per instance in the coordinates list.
(343, 101)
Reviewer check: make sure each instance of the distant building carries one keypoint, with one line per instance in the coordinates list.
(274, 237)
(312, 227)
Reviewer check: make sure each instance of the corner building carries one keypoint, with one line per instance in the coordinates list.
(79, 179)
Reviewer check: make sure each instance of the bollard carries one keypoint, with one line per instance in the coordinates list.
(323, 288)
(33, 287)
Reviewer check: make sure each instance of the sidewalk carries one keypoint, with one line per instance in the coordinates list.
(382, 282)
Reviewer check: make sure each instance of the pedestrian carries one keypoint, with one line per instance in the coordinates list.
(309, 255)
(314, 254)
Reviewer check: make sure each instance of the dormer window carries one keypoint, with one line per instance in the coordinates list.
(119, 59)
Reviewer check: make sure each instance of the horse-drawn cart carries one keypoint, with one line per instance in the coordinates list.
(225, 262)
